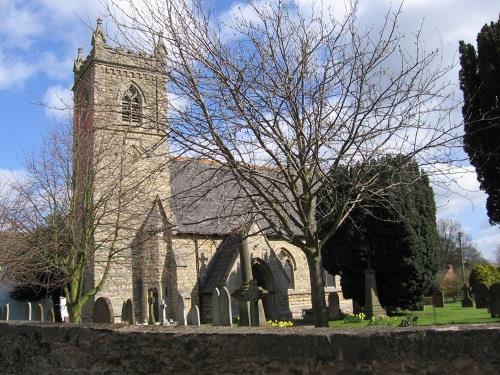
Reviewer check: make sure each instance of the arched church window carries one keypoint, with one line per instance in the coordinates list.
(329, 280)
(288, 266)
(131, 106)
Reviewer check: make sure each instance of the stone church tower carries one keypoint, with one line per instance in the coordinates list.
(122, 183)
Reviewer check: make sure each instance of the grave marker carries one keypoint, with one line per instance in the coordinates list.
(39, 312)
(181, 311)
(194, 316)
(481, 295)
(226, 315)
(438, 298)
(103, 311)
(495, 300)
(334, 312)
(215, 307)
(27, 311)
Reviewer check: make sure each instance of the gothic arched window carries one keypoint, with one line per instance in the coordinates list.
(288, 266)
(329, 280)
(131, 106)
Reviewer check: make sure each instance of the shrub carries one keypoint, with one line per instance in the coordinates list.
(484, 274)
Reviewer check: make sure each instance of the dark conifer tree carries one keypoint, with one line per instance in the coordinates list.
(396, 234)
(480, 83)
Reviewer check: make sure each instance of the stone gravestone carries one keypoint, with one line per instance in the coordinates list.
(356, 307)
(481, 295)
(27, 311)
(334, 312)
(50, 316)
(194, 316)
(39, 312)
(226, 315)
(163, 312)
(181, 311)
(215, 307)
(4, 314)
(495, 300)
(128, 314)
(372, 306)
(438, 298)
(103, 311)
(262, 313)
(151, 306)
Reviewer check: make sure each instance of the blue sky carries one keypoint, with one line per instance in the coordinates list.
(39, 40)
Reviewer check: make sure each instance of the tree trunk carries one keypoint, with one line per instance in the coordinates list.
(74, 312)
(320, 311)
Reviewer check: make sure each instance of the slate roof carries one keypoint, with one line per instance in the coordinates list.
(205, 198)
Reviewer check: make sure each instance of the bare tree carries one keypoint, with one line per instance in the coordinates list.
(280, 98)
(449, 232)
(50, 217)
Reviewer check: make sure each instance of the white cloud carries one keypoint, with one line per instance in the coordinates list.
(18, 22)
(487, 240)
(58, 101)
(456, 189)
(14, 72)
(26, 29)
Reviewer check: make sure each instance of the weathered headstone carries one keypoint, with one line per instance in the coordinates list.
(215, 307)
(27, 311)
(438, 298)
(226, 315)
(181, 311)
(51, 316)
(481, 295)
(103, 311)
(4, 314)
(262, 314)
(163, 312)
(495, 300)
(128, 314)
(334, 312)
(466, 300)
(194, 316)
(39, 312)
(372, 306)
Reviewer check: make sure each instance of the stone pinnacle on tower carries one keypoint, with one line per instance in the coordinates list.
(99, 36)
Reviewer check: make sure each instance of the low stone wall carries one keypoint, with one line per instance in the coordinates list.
(42, 348)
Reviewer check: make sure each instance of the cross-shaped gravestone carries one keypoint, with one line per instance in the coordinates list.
(151, 302)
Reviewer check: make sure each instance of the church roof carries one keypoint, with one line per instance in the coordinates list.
(206, 199)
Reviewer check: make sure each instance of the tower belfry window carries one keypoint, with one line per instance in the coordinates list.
(131, 106)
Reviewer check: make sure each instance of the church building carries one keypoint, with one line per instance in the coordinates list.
(168, 224)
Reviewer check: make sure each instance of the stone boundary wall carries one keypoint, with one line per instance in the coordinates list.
(42, 348)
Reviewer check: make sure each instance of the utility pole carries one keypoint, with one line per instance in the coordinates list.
(466, 301)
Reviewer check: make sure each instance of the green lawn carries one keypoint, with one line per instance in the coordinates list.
(451, 313)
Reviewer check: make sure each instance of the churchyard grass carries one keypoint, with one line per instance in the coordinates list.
(451, 313)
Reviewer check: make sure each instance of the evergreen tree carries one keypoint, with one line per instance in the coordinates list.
(480, 83)
(396, 234)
